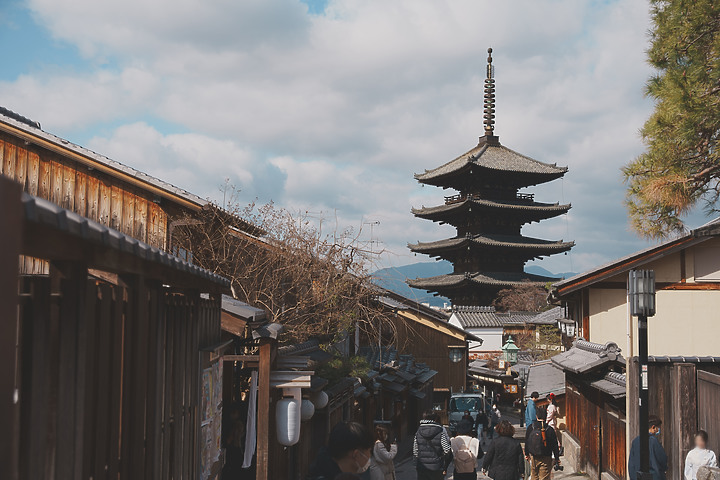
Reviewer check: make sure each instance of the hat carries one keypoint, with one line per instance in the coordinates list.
(551, 395)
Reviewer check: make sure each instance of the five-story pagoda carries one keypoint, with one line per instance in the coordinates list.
(489, 252)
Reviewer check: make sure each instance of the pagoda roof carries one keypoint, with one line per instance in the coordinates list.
(541, 210)
(492, 240)
(492, 156)
(496, 279)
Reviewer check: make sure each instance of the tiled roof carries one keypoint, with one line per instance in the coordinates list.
(493, 157)
(548, 317)
(516, 318)
(545, 378)
(493, 240)
(544, 209)
(612, 383)
(241, 309)
(477, 317)
(586, 356)
(500, 279)
(47, 214)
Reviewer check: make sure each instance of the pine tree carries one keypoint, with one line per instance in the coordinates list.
(681, 167)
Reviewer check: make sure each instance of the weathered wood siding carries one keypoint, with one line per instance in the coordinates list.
(85, 191)
(109, 377)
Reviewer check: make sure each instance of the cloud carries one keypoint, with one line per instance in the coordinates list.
(335, 112)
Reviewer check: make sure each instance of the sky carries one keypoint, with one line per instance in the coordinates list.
(330, 107)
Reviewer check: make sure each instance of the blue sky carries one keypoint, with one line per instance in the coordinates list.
(331, 106)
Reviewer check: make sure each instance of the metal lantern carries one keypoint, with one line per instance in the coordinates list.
(510, 351)
(570, 329)
(456, 354)
(641, 293)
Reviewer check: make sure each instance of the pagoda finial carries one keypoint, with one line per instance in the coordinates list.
(489, 102)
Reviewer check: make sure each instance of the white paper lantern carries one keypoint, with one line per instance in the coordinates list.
(319, 399)
(307, 410)
(287, 414)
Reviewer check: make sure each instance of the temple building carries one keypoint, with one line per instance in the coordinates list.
(489, 252)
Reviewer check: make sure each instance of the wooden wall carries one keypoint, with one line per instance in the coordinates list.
(674, 397)
(87, 192)
(109, 377)
(432, 347)
(598, 424)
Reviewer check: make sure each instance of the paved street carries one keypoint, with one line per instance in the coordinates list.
(405, 468)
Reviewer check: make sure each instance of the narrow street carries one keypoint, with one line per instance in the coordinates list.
(405, 467)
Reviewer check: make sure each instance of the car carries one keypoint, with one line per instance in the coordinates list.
(459, 403)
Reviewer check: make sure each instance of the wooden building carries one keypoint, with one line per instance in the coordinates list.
(91, 185)
(488, 252)
(105, 376)
(595, 414)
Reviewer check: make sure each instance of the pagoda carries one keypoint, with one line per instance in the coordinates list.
(489, 252)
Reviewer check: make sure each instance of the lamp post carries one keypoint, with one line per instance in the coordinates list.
(641, 295)
(522, 383)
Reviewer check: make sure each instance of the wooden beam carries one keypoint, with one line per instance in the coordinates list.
(263, 423)
(684, 386)
(10, 240)
(241, 358)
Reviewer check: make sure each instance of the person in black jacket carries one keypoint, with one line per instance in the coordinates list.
(541, 445)
(431, 448)
(504, 460)
(349, 451)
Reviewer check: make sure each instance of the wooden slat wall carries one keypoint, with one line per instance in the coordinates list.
(110, 377)
(84, 191)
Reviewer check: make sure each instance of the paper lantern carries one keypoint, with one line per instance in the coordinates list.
(287, 415)
(307, 410)
(319, 399)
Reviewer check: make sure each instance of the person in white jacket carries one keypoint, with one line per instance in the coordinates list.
(382, 466)
(699, 456)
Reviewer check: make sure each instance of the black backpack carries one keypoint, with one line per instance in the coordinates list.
(537, 443)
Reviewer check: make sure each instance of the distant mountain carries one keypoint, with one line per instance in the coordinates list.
(394, 279)
(536, 270)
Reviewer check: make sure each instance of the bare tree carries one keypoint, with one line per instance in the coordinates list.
(526, 297)
(315, 283)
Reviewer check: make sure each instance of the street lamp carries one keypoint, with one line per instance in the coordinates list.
(510, 351)
(641, 296)
(522, 383)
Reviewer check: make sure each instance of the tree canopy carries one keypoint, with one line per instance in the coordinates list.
(681, 165)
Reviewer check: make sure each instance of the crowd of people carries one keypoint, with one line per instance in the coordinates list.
(353, 452)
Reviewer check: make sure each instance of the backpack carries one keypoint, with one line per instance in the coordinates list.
(465, 460)
(537, 442)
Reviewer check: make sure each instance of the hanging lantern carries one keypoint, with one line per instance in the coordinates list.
(319, 399)
(288, 416)
(307, 410)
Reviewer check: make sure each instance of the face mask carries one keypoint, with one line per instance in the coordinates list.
(364, 468)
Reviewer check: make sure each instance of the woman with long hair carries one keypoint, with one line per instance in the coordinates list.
(381, 466)
(505, 459)
(552, 411)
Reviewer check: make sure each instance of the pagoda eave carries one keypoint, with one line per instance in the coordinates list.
(453, 281)
(505, 242)
(530, 211)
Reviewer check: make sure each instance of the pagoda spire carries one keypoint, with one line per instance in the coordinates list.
(489, 102)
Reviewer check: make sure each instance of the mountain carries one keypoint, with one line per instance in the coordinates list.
(394, 278)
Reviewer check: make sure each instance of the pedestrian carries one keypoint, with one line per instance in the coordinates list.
(384, 452)
(553, 412)
(431, 448)
(482, 424)
(349, 450)
(699, 456)
(466, 452)
(531, 409)
(504, 459)
(495, 418)
(658, 457)
(541, 445)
